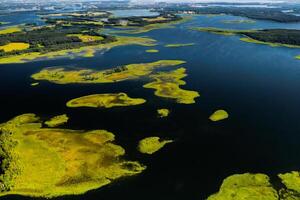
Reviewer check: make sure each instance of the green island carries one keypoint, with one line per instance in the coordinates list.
(77, 34)
(69, 161)
(273, 37)
(151, 145)
(105, 101)
(258, 187)
(56, 41)
(179, 45)
(121, 73)
(253, 13)
(219, 115)
(134, 24)
(246, 186)
(57, 121)
(153, 25)
(166, 84)
(152, 51)
(163, 112)
(298, 57)
(241, 21)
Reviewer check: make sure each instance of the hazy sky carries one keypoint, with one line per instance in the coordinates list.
(237, 1)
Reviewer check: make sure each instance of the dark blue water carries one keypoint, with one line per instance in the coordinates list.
(258, 85)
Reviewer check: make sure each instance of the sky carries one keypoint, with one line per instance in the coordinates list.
(204, 1)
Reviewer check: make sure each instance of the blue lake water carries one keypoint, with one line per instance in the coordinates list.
(258, 85)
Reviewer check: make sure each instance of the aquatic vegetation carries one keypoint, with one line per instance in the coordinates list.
(298, 57)
(272, 44)
(8, 30)
(105, 101)
(269, 37)
(14, 46)
(219, 115)
(291, 180)
(57, 120)
(244, 187)
(179, 45)
(151, 145)
(50, 162)
(241, 21)
(167, 85)
(220, 31)
(152, 51)
(155, 19)
(87, 38)
(3, 23)
(163, 112)
(127, 72)
(85, 51)
(71, 23)
(151, 27)
(35, 84)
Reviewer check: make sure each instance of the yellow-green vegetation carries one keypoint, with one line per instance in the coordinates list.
(246, 187)
(241, 21)
(152, 51)
(231, 32)
(57, 120)
(163, 112)
(151, 27)
(68, 23)
(151, 145)
(156, 19)
(167, 85)
(86, 51)
(219, 115)
(50, 162)
(179, 45)
(87, 38)
(14, 46)
(298, 57)
(35, 84)
(8, 30)
(105, 101)
(127, 72)
(291, 180)
(272, 44)
(220, 31)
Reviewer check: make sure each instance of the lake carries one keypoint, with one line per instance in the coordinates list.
(258, 85)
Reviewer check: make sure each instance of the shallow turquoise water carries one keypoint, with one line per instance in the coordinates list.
(258, 85)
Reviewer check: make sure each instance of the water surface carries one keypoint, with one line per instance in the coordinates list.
(258, 85)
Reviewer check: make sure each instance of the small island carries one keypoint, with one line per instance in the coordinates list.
(246, 186)
(219, 115)
(273, 37)
(60, 75)
(179, 45)
(166, 84)
(105, 101)
(57, 120)
(163, 112)
(151, 145)
(152, 51)
(258, 186)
